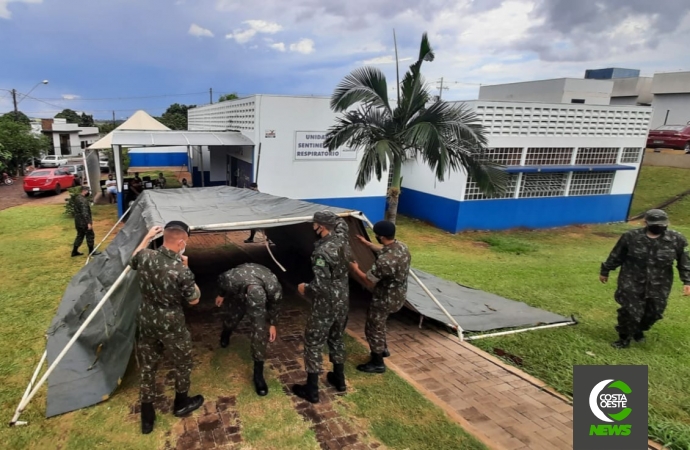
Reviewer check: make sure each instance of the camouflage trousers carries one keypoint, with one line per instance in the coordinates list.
(234, 313)
(637, 314)
(325, 327)
(84, 232)
(150, 348)
(375, 327)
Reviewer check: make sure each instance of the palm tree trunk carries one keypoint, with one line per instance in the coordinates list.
(393, 195)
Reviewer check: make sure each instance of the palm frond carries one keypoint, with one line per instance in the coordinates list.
(366, 84)
(376, 159)
(425, 51)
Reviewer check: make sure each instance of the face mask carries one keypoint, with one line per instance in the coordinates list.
(317, 231)
(378, 239)
(183, 248)
(656, 229)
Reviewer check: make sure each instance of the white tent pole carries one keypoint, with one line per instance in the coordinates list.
(108, 234)
(81, 329)
(458, 328)
(504, 333)
(223, 226)
(268, 247)
(28, 389)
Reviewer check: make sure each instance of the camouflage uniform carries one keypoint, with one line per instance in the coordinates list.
(330, 294)
(165, 284)
(82, 219)
(646, 276)
(254, 290)
(390, 274)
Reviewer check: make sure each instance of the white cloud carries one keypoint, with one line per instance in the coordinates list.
(70, 97)
(241, 36)
(261, 26)
(280, 46)
(196, 30)
(5, 12)
(389, 59)
(305, 46)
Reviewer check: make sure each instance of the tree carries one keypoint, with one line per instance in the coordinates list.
(226, 97)
(19, 144)
(175, 117)
(86, 121)
(69, 115)
(106, 127)
(16, 117)
(445, 137)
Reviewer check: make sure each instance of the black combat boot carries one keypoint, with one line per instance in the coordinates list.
(386, 353)
(259, 382)
(376, 364)
(148, 417)
(184, 405)
(309, 391)
(337, 377)
(622, 342)
(639, 337)
(75, 252)
(92, 253)
(225, 337)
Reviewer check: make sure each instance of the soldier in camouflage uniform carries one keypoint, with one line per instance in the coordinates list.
(254, 290)
(329, 292)
(646, 257)
(166, 283)
(83, 222)
(388, 280)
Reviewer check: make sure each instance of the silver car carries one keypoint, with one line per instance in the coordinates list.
(77, 170)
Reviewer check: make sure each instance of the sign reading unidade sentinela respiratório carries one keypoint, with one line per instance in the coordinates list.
(309, 146)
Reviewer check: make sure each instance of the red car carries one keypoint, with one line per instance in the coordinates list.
(45, 180)
(670, 136)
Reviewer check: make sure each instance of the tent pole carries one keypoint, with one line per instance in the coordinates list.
(223, 226)
(268, 247)
(28, 389)
(108, 234)
(504, 333)
(458, 328)
(23, 403)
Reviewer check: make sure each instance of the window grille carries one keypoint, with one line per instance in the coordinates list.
(594, 156)
(548, 156)
(504, 156)
(589, 183)
(472, 191)
(631, 155)
(543, 185)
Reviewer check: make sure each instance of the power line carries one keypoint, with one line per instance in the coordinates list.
(124, 98)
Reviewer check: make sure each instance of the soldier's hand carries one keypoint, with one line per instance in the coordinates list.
(363, 240)
(354, 265)
(219, 301)
(686, 290)
(185, 260)
(154, 231)
(603, 279)
(300, 288)
(89, 226)
(272, 333)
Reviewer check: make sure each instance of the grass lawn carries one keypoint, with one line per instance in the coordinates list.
(557, 270)
(37, 241)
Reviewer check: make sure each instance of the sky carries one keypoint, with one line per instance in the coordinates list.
(125, 55)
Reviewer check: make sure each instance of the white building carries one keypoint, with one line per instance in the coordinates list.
(287, 157)
(671, 99)
(68, 138)
(560, 90)
(632, 91)
(568, 164)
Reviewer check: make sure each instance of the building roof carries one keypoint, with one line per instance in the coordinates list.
(167, 138)
(140, 121)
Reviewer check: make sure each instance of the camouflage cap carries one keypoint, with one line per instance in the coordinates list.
(656, 217)
(326, 218)
(177, 225)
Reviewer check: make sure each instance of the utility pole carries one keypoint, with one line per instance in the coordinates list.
(441, 88)
(113, 119)
(210, 93)
(14, 100)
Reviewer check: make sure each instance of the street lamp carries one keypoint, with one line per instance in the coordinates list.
(27, 94)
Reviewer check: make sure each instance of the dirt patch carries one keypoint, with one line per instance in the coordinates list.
(14, 195)
(606, 234)
(480, 244)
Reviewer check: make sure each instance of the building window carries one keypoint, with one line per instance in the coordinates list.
(589, 183)
(548, 156)
(542, 185)
(631, 155)
(577, 100)
(503, 156)
(597, 155)
(472, 191)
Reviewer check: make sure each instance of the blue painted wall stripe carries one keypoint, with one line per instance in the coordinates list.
(455, 216)
(157, 159)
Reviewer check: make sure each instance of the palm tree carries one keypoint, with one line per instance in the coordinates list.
(443, 136)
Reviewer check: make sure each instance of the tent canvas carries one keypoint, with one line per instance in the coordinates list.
(92, 368)
(140, 121)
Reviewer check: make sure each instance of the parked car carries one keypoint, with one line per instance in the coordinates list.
(103, 161)
(670, 136)
(46, 180)
(53, 161)
(77, 170)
